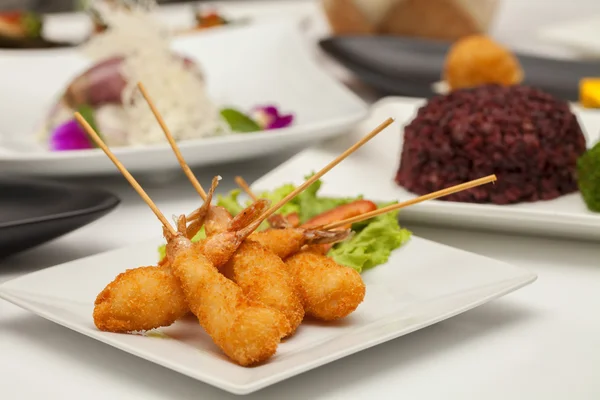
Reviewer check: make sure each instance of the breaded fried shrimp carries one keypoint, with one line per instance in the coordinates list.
(285, 242)
(246, 331)
(140, 299)
(150, 297)
(260, 274)
(264, 277)
(329, 291)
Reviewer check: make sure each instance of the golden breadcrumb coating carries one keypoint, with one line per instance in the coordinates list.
(140, 299)
(264, 277)
(329, 291)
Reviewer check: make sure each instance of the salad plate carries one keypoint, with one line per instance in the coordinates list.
(421, 284)
(372, 170)
(271, 66)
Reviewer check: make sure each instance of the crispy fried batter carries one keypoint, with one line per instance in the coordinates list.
(282, 242)
(260, 273)
(329, 291)
(285, 242)
(140, 299)
(246, 331)
(264, 277)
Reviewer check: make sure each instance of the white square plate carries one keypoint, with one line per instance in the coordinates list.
(423, 283)
(372, 169)
(266, 63)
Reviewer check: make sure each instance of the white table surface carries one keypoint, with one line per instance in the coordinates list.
(541, 342)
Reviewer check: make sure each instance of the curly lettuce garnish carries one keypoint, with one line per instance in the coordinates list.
(373, 243)
(374, 239)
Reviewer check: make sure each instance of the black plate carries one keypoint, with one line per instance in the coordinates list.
(32, 212)
(32, 43)
(408, 67)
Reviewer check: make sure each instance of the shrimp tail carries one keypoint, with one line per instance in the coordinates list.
(278, 221)
(181, 224)
(249, 215)
(326, 237)
(221, 245)
(217, 221)
(198, 216)
(293, 219)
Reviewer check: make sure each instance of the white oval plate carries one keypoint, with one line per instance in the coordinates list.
(371, 171)
(245, 66)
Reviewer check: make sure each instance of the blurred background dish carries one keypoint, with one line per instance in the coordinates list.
(26, 28)
(273, 56)
(411, 66)
(34, 212)
(446, 20)
(373, 169)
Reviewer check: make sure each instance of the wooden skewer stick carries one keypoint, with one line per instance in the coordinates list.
(274, 220)
(393, 207)
(241, 182)
(92, 133)
(186, 169)
(326, 169)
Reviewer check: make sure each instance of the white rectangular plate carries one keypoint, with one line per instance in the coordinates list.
(246, 66)
(423, 283)
(372, 169)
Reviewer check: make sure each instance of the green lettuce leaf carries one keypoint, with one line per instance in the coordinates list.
(372, 244)
(279, 194)
(238, 121)
(230, 202)
(33, 24)
(307, 204)
(373, 241)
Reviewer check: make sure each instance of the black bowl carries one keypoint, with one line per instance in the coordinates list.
(34, 212)
(408, 67)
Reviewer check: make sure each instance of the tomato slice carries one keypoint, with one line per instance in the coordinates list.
(340, 213)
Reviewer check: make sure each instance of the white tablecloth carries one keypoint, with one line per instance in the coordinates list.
(541, 342)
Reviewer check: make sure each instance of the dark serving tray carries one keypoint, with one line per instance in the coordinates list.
(31, 44)
(408, 67)
(34, 212)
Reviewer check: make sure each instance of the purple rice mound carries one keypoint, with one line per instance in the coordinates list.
(528, 138)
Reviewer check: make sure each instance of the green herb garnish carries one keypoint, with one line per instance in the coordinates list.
(238, 121)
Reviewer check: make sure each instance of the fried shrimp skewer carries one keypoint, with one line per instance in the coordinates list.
(285, 241)
(263, 277)
(329, 291)
(259, 273)
(269, 212)
(147, 298)
(246, 331)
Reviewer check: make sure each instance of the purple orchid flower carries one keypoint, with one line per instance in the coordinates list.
(268, 117)
(69, 136)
